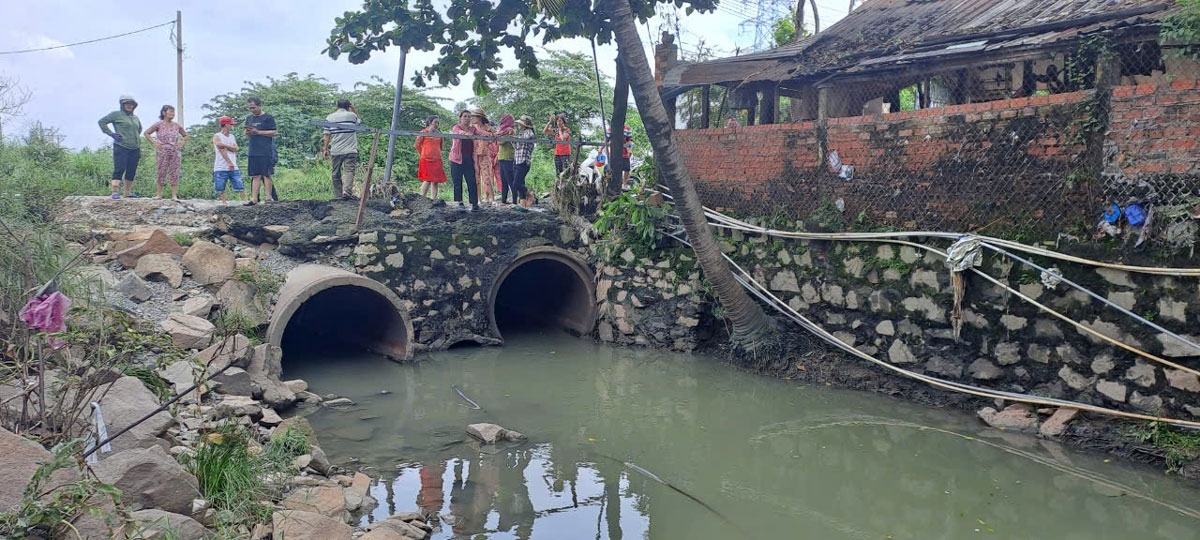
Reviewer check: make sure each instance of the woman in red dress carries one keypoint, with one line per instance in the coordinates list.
(430, 170)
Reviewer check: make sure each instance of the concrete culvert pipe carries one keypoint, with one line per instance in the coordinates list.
(333, 307)
(544, 287)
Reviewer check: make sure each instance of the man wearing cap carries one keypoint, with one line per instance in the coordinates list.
(341, 144)
(126, 133)
(225, 167)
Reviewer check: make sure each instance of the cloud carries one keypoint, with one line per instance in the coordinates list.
(40, 41)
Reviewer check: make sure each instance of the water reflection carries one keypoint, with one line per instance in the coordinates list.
(779, 460)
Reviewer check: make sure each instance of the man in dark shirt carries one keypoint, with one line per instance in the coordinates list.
(260, 130)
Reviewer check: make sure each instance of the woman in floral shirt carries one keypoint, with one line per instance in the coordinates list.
(168, 139)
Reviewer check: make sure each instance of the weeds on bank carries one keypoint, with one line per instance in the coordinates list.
(232, 322)
(241, 479)
(47, 510)
(631, 221)
(265, 282)
(1178, 447)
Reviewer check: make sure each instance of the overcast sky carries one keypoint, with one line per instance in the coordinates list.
(228, 42)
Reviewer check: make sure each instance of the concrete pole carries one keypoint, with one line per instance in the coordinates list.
(179, 68)
(391, 151)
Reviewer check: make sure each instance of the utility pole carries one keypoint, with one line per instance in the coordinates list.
(179, 68)
(391, 152)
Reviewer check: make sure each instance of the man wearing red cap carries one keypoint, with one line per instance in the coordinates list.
(225, 167)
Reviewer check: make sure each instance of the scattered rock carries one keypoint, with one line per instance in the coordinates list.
(264, 370)
(126, 401)
(1018, 417)
(134, 288)
(242, 297)
(270, 418)
(235, 406)
(208, 262)
(328, 501)
(1057, 423)
(492, 433)
(19, 459)
(159, 524)
(233, 351)
(187, 331)
(158, 243)
(395, 529)
(197, 306)
(149, 478)
(360, 485)
(296, 385)
(1183, 380)
(320, 462)
(885, 328)
(785, 280)
(233, 381)
(160, 267)
(338, 403)
(300, 525)
(1074, 379)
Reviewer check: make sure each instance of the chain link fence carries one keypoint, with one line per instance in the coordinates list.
(1094, 140)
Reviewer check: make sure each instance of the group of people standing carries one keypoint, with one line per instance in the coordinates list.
(168, 138)
(485, 167)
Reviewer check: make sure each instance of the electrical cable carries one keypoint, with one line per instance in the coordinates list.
(778, 304)
(765, 295)
(1084, 329)
(88, 41)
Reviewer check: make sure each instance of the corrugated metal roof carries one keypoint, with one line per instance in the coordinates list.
(906, 30)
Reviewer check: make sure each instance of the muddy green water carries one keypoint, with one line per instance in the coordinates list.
(765, 458)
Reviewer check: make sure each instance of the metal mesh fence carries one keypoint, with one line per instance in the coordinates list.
(1094, 140)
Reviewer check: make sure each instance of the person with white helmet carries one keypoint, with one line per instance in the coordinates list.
(126, 133)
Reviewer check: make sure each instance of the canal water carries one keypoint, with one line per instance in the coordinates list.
(633, 443)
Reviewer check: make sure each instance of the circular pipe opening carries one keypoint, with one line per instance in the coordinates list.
(544, 287)
(329, 308)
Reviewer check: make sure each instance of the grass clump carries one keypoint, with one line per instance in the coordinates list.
(240, 478)
(1177, 447)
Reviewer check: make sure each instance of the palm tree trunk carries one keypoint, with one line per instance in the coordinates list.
(816, 16)
(798, 20)
(752, 328)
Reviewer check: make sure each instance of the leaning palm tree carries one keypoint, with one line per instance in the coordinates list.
(753, 331)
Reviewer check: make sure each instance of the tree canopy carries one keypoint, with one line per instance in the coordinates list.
(567, 83)
(294, 101)
(469, 34)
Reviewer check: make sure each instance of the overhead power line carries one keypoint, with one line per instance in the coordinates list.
(168, 23)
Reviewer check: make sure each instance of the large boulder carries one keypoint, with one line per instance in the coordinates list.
(329, 501)
(133, 287)
(157, 524)
(242, 297)
(158, 243)
(160, 267)
(126, 401)
(208, 262)
(149, 478)
(187, 331)
(301, 525)
(19, 459)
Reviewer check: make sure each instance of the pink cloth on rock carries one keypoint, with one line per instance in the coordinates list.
(47, 313)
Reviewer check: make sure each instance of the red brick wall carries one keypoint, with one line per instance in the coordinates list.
(1016, 164)
(1155, 128)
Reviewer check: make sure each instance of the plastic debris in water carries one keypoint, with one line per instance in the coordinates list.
(47, 314)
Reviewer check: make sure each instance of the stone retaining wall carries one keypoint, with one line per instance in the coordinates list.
(895, 303)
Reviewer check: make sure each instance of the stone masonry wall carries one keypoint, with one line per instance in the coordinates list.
(895, 303)
(443, 271)
(656, 302)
